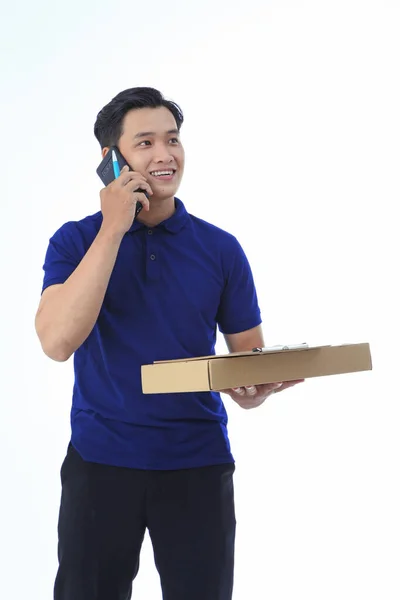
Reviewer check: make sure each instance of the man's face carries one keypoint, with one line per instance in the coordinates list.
(150, 143)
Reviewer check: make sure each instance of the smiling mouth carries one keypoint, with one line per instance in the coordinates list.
(165, 173)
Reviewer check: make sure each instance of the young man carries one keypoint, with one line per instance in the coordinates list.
(120, 292)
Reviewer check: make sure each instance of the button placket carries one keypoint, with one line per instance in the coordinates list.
(153, 267)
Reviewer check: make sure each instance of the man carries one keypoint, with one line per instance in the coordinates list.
(120, 292)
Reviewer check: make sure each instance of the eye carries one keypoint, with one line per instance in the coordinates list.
(145, 143)
(174, 141)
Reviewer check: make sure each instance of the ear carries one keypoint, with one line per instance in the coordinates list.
(104, 151)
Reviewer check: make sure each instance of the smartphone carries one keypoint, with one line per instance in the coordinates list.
(105, 171)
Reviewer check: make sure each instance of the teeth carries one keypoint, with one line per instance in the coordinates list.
(160, 173)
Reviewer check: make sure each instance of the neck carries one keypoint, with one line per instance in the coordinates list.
(160, 210)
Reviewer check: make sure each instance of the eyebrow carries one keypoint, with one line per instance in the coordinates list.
(143, 134)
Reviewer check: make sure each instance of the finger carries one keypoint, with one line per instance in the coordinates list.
(144, 201)
(240, 391)
(273, 387)
(289, 384)
(251, 390)
(128, 175)
(134, 182)
(136, 185)
(266, 387)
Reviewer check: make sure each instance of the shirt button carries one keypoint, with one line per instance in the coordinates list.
(152, 257)
(150, 232)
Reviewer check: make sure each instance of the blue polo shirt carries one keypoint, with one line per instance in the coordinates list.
(171, 287)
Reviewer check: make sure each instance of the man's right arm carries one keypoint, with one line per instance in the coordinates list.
(68, 312)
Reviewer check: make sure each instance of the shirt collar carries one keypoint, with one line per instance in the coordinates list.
(173, 224)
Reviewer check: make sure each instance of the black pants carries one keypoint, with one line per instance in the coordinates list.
(104, 514)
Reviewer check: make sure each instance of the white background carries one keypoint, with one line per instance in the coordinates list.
(292, 138)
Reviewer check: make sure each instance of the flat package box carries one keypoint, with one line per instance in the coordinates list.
(253, 368)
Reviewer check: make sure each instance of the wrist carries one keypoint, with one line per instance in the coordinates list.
(110, 235)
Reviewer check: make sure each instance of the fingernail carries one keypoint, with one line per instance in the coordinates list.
(277, 385)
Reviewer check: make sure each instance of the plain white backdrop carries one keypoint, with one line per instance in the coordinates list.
(292, 138)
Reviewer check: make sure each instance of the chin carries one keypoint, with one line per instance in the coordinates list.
(163, 193)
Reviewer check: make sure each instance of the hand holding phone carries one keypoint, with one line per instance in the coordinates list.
(106, 171)
(124, 196)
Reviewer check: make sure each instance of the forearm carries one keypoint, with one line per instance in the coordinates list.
(66, 318)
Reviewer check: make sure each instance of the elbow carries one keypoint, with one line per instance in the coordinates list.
(54, 348)
(56, 351)
(56, 354)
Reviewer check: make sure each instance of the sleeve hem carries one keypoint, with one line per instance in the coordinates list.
(53, 281)
(240, 326)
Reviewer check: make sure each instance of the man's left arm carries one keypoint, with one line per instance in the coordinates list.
(239, 320)
(254, 395)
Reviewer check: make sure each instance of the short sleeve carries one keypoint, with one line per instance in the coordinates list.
(62, 257)
(238, 310)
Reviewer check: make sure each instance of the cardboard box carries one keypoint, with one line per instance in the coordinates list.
(247, 368)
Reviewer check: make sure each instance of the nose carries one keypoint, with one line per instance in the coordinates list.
(163, 154)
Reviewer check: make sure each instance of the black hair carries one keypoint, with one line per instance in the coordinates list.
(109, 122)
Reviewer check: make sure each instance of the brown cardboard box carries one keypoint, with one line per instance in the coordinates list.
(248, 368)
